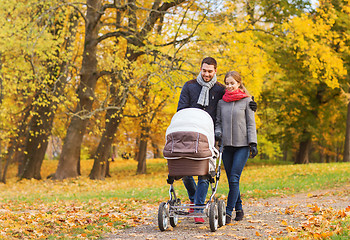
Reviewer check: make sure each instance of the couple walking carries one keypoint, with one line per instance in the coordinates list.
(232, 112)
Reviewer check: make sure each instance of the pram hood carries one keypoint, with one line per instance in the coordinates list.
(193, 120)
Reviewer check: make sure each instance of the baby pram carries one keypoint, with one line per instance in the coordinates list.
(190, 151)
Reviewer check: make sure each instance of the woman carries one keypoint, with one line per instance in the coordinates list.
(235, 127)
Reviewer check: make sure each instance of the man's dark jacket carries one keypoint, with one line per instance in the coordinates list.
(190, 94)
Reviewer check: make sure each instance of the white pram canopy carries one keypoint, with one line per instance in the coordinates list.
(186, 125)
(193, 120)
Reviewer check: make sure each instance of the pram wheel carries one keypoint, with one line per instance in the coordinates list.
(174, 220)
(213, 216)
(163, 214)
(222, 213)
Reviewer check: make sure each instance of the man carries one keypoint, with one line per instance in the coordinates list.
(204, 93)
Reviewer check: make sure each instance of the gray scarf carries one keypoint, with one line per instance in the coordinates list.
(206, 86)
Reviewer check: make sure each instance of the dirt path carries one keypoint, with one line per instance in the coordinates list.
(264, 218)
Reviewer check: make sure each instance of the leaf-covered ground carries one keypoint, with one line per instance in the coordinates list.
(127, 203)
(315, 215)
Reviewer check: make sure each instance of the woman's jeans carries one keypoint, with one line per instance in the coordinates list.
(196, 194)
(234, 159)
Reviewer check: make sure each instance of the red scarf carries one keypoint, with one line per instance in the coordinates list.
(235, 95)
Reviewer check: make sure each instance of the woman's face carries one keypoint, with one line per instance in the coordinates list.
(231, 84)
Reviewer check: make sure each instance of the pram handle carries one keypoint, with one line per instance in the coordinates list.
(221, 146)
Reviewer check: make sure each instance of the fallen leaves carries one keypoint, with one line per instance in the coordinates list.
(322, 223)
(85, 209)
(70, 219)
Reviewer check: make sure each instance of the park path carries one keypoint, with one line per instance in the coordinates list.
(264, 218)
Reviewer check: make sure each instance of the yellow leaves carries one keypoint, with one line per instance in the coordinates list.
(46, 218)
(290, 210)
(290, 229)
(314, 208)
(347, 209)
(311, 38)
(310, 195)
(284, 223)
(324, 224)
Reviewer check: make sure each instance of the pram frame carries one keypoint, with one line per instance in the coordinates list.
(214, 208)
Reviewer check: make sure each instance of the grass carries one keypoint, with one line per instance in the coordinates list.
(256, 181)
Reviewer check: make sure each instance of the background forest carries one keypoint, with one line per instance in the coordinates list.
(101, 78)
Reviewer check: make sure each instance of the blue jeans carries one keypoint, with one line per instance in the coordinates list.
(196, 193)
(234, 159)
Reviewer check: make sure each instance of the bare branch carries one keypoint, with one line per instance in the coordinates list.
(154, 15)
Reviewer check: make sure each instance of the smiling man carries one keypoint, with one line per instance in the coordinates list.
(203, 92)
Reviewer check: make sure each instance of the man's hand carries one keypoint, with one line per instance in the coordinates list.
(253, 149)
(253, 105)
(218, 136)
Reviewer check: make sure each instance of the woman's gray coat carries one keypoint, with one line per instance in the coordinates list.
(236, 121)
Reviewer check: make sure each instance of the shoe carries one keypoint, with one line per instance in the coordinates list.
(239, 215)
(199, 220)
(191, 210)
(228, 219)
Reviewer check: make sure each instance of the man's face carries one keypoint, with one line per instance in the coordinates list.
(208, 72)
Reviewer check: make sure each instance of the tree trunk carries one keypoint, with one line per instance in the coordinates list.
(303, 153)
(338, 149)
(141, 165)
(346, 154)
(103, 151)
(144, 133)
(137, 148)
(67, 166)
(113, 119)
(79, 165)
(285, 154)
(156, 151)
(36, 144)
(107, 173)
(322, 158)
(15, 143)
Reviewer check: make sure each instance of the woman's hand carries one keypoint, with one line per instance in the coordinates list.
(253, 150)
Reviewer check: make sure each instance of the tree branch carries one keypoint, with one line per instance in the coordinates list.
(154, 15)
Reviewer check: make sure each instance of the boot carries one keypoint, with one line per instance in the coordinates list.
(239, 215)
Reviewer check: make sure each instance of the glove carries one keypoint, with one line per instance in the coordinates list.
(253, 105)
(253, 149)
(218, 136)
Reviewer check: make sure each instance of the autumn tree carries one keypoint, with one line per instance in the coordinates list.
(311, 74)
(340, 43)
(49, 94)
(68, 162)
(35, 72)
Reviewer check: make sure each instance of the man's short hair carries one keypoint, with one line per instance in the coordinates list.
(209, 61)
